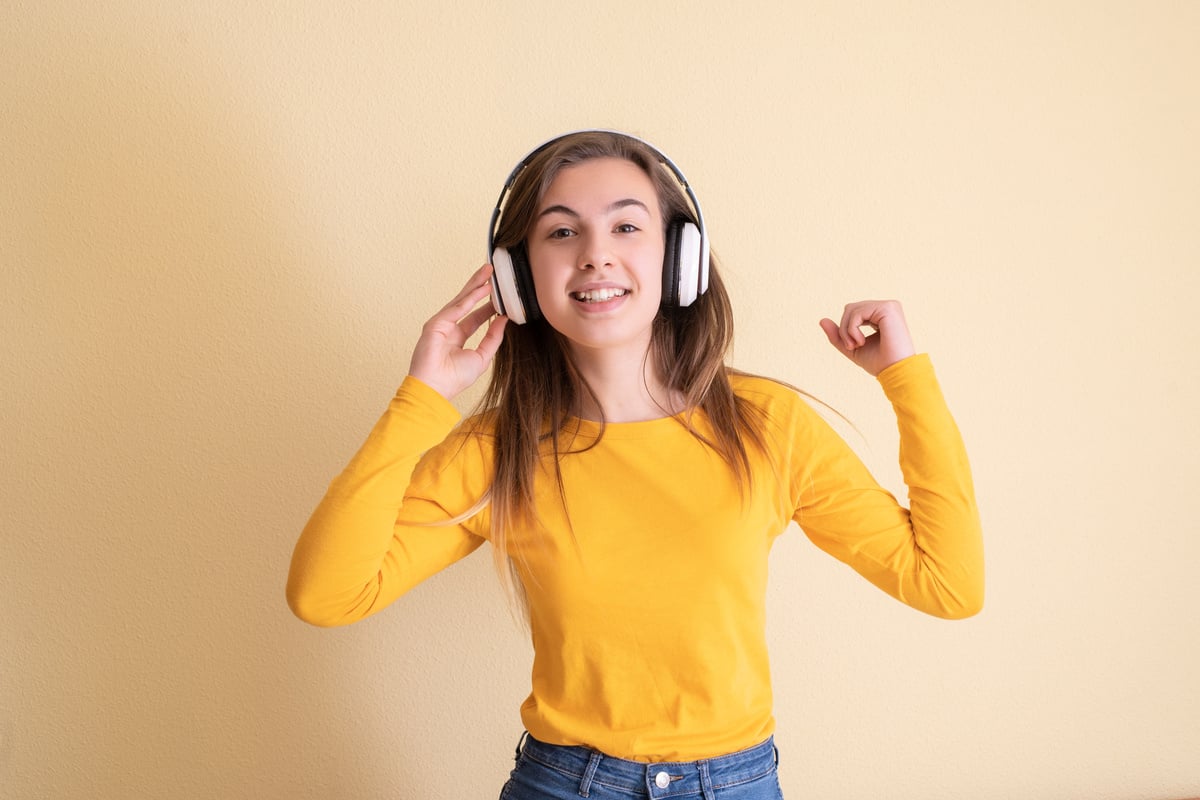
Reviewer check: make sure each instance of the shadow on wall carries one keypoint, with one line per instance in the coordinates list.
(175, 436)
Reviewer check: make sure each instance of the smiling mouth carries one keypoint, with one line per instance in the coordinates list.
(599, 295)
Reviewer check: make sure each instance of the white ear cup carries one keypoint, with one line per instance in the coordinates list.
(505, 297)
(693, 265)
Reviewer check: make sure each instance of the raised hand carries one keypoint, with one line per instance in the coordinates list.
(440, 358)
(888, 343)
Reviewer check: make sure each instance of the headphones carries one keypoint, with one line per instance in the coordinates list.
(685, 264)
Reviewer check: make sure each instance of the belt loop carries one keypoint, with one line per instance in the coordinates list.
(520, 745)
(706, 787)
(585, 785)
(775, 749)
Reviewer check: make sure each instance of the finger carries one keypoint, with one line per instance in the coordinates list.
(490, 342)
(877, 313)
(848, 328)
(862, 320)
(834, 334)
(466, 306)
(471, 322)
(470, 294)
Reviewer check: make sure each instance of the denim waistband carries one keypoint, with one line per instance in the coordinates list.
(658, 779)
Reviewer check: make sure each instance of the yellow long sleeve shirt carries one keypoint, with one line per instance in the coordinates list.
(647, 610)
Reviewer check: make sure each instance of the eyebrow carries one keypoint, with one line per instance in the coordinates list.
(616, 206)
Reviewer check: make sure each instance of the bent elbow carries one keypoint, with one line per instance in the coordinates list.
(956, 587)
(963, 611)
(310, 608)
(962, 604)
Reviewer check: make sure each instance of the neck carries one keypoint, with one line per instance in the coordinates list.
(628, 389)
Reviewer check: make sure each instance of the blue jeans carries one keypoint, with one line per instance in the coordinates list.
(552, 772)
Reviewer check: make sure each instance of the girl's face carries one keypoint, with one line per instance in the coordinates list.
(596, 253)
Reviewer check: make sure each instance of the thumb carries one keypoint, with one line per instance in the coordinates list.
(833, 333)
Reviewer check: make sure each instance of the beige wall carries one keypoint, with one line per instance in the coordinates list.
(222, 224)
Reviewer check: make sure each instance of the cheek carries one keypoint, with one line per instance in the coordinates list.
(545, 266)
(550, 275)
(652, 271)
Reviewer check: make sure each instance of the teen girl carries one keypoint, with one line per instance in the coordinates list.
(632, 482)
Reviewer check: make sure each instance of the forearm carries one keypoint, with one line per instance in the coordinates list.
(350, 560)
(946, 570)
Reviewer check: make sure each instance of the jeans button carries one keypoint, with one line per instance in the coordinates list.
(662, 780)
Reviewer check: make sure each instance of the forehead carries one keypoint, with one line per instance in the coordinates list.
(600, 181)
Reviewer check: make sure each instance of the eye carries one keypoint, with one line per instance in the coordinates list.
(627, 227)
(560, 233)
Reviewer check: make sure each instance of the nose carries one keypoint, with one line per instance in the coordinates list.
(595, 252)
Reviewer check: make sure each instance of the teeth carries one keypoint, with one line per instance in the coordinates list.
(599, 295)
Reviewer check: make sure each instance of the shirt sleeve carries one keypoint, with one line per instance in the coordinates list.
(353, 557)
(929, 556)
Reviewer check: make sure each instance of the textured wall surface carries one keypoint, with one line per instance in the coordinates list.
(222, 225)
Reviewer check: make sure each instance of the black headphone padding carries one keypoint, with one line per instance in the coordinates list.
(523, 275)
(670, 290)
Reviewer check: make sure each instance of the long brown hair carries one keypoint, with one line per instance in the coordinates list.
(535, 387)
